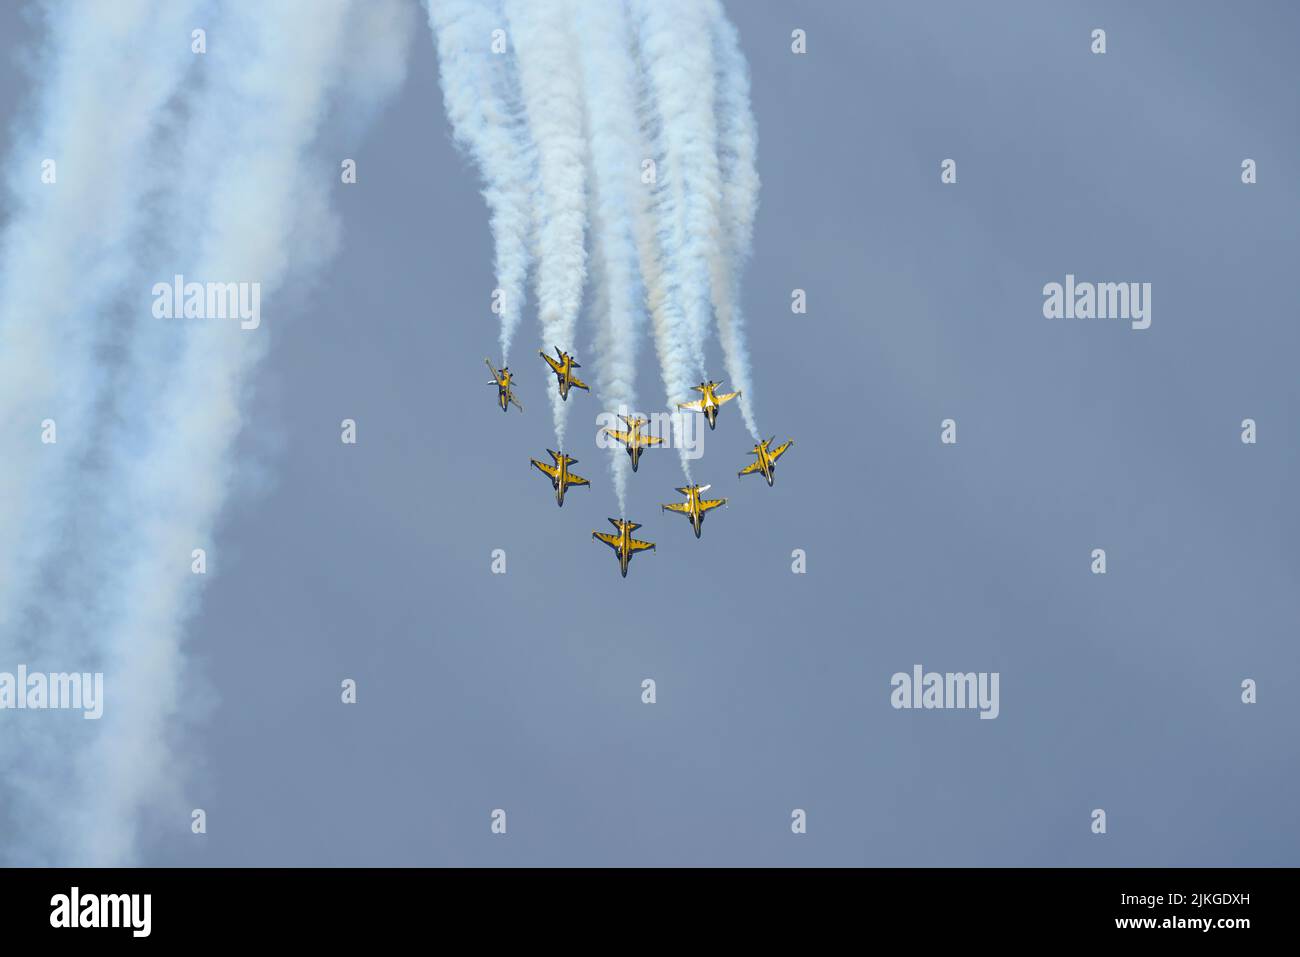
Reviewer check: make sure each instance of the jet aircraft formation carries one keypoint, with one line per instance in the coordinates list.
(695, 507)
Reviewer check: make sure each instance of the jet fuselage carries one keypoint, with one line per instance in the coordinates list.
(695, 506)
(561, 478)
(765, 461)
(624, 545)
(709, 401)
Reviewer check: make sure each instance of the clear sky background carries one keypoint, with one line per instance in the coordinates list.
(523, 691)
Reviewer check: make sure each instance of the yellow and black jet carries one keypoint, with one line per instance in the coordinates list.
(694, 507)
(710, 401)
(633, 438)
(624, 545)
(502, 381)
(563, 370)
(559, 474)
(766, 461)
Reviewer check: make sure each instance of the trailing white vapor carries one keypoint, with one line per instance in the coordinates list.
(95, 119)
(672, 337)
(479, 91)
(737, 150)
(243, 204)
(618, 209)
(546, 50)
(64, 265)
(604, 86)
(678, 61)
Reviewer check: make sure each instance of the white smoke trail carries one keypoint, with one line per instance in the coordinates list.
(668, 324)
(96, 117)
(64, 264)
(677, 92)
(248, 192)
(618, 207)
(737, 150)
(677, 55)
(547, 54)
(479, 92)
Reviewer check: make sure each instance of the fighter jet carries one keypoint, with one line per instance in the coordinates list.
(563, 370)
(624, 545)
(710, 402)
(633, 438)
(766, 462)
(694, 507)
(502, 381)
(559, 474)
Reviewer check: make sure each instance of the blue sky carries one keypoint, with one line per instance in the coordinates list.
(523, 691)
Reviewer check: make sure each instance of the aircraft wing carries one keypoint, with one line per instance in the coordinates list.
(725, 397)
(623, 437)
(780, 449)
(550, 470)
(682, 507)
(610, 540)
(576, 382)
(708, 503)
(555, 366)
(697, 405)
(576, 479)
(496, 376)
(751, 468)
(651, 439)
(637, 546)
(511, 397)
